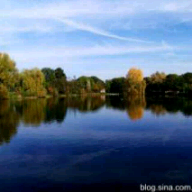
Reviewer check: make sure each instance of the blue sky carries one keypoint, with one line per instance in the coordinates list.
(98, 37)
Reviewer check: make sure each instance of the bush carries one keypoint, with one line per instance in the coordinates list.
(3, 92)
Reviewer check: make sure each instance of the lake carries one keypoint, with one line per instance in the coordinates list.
(94, 143)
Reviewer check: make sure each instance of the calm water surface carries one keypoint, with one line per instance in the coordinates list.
(87, 144)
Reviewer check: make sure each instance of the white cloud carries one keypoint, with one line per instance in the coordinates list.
(72, 52)
(122, 20)
(177, 6)
(91, 29)
(101, 10)
(76, 8)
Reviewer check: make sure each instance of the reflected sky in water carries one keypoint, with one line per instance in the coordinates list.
(93, 143)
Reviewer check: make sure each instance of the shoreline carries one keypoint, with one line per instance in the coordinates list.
(20, 97)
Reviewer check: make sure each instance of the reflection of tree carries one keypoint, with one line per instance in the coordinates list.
(86, 103)
(34, 111)
(56, 110)
(135, 107)
(9, 120)
(115, 102)
(171, 105)
(187, 108)
(158, 109)
(160, 106)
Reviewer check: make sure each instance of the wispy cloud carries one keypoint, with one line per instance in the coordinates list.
(36, 33)
(76, 8)
(103, 10)
(91, 29)
(46, 52)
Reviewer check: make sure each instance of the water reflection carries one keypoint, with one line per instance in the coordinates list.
(158, 109)
(55, 110)
(86, 104)
(135, 107)
(9, 120)
(35, 112)
(162, 106)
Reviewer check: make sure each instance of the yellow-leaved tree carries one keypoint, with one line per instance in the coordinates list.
(158, 77)
(8, 75)
(33, 83)
(135, 83)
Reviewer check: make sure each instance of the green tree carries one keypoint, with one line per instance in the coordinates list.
(187, 78)
(49, 76)
(171, 82)
(89, 84)
(116, 85)
(60, 80)
(50, 81)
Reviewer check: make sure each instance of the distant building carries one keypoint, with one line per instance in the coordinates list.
(102, 91)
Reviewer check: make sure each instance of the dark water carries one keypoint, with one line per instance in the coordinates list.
(89, 144)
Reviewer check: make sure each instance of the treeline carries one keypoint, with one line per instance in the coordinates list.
(39, 83)
(161, 83)
(157, 84)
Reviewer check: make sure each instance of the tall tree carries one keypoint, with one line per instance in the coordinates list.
(60, 81)
(135, 75)
(49, 75)
(32, 82)
(116, 85)
(135, 84)
(50, 80)
(8, 71)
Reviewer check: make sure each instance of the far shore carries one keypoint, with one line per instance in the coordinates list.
(20, 97)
